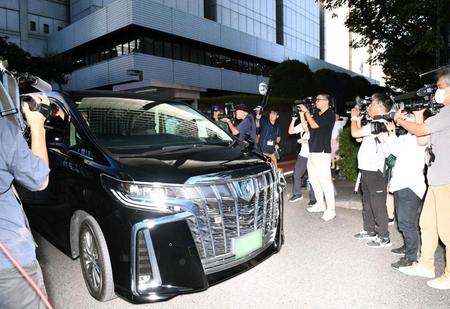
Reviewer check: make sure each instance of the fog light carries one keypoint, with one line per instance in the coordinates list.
(144, 271)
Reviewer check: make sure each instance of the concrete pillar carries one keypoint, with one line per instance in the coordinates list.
(23, 24)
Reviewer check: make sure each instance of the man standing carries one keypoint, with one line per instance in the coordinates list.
(435, 216)
(30, 169)
(269, 135)
(247, 125)
(319, 161)
(408, 185)
(371, 163)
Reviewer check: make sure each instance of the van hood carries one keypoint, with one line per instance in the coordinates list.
(178, 167)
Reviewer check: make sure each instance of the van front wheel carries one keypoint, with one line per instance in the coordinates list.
(94, 260)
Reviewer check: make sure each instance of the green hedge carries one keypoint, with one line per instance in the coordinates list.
(348, 152)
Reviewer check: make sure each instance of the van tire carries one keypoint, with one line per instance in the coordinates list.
(94, 261)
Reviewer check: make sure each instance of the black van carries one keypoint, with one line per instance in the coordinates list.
(154, 198)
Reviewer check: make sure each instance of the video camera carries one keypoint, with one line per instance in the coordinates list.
(421, 99)
(309, 102)
(229, 112)
(11, 105)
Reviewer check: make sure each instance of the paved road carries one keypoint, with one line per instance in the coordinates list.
(320, 266)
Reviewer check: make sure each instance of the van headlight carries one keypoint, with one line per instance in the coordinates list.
(160, 197)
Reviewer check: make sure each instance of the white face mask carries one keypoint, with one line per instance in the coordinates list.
(440, 96)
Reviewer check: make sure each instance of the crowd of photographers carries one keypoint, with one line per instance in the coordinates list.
(401, 153)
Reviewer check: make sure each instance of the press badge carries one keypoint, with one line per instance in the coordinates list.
(270, 143)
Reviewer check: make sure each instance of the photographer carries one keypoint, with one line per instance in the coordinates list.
(30, 169)
(216, 110)
(269, 135)
(408, 186)
(302, 158)
(435, 216)
(247, 125)
(371, 163)
(319, 161)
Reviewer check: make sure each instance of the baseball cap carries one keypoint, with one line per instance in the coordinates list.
(216, 107)
(257, 108)
(242, 107)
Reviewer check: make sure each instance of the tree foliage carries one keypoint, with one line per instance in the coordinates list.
(292, 79)
(52, 67)
(405, 36)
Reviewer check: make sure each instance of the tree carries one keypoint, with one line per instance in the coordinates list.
(405, 36)
(52, 67)
(292, 79)
(338, 85)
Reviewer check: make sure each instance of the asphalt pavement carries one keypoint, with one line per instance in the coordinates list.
(320, 266)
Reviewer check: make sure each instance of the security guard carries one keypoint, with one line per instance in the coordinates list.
(30, 169)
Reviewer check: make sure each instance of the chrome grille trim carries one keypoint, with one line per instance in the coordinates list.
(222, 201)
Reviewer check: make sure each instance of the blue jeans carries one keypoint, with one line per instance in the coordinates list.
(407, 205)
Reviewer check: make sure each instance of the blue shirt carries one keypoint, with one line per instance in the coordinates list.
(17, 163)
(268, 134)
(247, 126)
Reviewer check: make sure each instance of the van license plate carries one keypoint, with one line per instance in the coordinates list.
(247, 243)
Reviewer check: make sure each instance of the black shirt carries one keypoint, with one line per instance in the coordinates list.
(319, 140)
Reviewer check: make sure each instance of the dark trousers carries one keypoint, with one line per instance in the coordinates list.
(299, 170)
(374, 213)
(407, 205)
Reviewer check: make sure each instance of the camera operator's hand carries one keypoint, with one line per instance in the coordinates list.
(400, 114)
(355, 112)
(226, 120)
(418, 115)
(34, 118)
(390, 125)
(302, 108)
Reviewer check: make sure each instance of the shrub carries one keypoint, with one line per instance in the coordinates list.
(348, 152)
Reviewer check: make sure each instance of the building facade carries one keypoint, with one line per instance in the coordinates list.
(178, 48)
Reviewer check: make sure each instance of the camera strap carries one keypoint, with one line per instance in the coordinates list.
(9, 99)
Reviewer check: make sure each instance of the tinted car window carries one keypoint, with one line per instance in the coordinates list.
(131, 125)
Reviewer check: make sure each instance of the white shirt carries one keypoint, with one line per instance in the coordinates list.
(338, 126)
(304, 151)
(408, 168)
(370, 155)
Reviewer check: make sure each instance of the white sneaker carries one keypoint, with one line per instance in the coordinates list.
(328, 215)
(417, 269)
(315, 208)
(441, 283)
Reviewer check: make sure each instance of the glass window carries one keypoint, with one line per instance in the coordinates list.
(46, 28)
(185, 53)
(32, 26)
(126, 48)
(133, 46)
(59, 28)
(131, 126)
(158, 48)
(167, 49)
(193, 55)
(176, 50)
(201, 56)
(94, 58)
(119, 50)
(148, 46)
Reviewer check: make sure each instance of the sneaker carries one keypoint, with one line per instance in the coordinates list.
(403, 262)
(328, 215)
(399, 251)
(441, 283)
(365, 235)
(379, 242)
(294, 198)
(310, 203)
(417, 269)
(315, 208)
(391, 221)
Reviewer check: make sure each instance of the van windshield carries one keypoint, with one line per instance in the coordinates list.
(131, 125)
